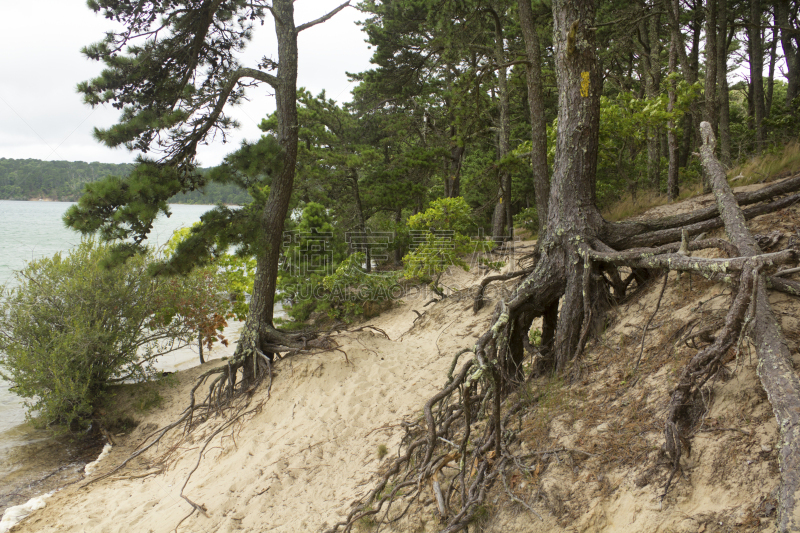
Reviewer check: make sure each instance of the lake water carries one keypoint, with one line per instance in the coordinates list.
(30, 230)
(31, 462)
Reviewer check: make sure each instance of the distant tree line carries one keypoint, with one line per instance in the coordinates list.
(32, 179)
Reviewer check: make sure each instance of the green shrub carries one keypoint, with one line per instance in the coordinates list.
(528, 218)
(70, 327)
(439, 239)
(352, 292)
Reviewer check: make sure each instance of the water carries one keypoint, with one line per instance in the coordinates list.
(30, 461)
(30, 230)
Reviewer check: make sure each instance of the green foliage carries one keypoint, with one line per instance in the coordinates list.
(535, 337)
(234, 275)
(352, 292)
(312, 254)
(441, 239)
(528, 218)
(69, 327)
(624, 125)
(26, 179)
(444, 214)
(317, 276)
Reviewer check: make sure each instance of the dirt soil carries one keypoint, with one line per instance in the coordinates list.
(311, 448)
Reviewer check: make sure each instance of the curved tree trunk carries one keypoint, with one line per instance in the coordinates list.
(258, 333)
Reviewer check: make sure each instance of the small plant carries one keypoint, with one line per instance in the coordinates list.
(492, 265)
(535, 336)
(383, 450)
(528, 218)
(481, 515)
(353, 292)
(439, 240)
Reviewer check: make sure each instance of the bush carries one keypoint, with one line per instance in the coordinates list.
(528, 219)
(439, 240)
(70, 327)
(352, 292)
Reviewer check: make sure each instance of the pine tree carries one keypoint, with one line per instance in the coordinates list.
(173, 72)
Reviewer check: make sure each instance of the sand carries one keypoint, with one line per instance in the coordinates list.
(310, 449)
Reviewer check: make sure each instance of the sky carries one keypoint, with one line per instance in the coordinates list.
(42, 116)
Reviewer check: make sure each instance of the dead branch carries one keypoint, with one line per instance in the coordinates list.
(648, 232)
(775, 366)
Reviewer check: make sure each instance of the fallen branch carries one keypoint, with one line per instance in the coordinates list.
(775, 367)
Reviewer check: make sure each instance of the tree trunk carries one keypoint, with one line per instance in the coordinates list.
(362, 222)
(258, 332)
(504, 129)
(499, 220)
(757, 69)
(452, 179)
(398, 251)
(773, 57)
(791, 52)
(541, 181)
(573, 208)
(652, 75)
(775, 367)
(672, 138)
(710, 108)
(689, 66)
(723, 102)
(200, 346)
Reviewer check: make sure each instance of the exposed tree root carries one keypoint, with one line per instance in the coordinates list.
(580, 266)
(775, 367)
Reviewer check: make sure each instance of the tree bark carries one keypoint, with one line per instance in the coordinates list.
(200, 346)
(258, 332)
(775, 366)
(690, 67)
(756, 49)
(710, 107)
(573, 208)
(504, 125)
(541, 182)
(773, 57)
(723, 102)
(791, 50)
(672, 137)
(652, 76)
(362, 221)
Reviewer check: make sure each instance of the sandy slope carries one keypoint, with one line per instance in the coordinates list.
(311, 449)
(298, 463)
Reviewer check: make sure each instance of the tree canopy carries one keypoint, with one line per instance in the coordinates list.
(486, 109)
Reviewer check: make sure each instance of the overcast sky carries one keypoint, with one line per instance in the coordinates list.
(43, 117)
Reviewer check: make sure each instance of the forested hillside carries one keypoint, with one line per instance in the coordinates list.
(478, 117)
(33, 179)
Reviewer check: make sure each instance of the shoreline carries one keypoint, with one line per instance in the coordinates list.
(38, 462)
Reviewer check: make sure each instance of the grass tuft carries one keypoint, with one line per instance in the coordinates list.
(383, 450)
(768, 167)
